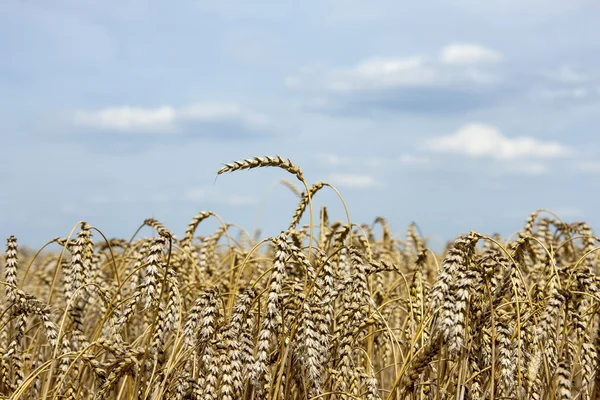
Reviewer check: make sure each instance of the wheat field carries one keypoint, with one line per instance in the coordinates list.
(326, 310)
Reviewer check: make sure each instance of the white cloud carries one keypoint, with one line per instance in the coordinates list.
(354, 180)
(168, 118)
(479, 140)
(456, 66)
(468, 54)
(127, 118)
(395, 71)
(209, 112)
(380, 73)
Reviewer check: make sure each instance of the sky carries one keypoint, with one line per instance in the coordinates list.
(458, 115)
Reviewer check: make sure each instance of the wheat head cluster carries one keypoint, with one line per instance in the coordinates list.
(326, 310)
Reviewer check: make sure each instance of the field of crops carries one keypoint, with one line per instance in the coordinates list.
(326, 310)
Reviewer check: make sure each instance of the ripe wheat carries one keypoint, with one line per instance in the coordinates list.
(353, 312)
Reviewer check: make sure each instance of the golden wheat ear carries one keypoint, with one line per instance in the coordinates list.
(266, 161)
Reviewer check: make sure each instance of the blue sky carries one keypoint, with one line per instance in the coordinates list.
(456, 114)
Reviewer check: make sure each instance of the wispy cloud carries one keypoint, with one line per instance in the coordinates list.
(405, 159)
(527, 168)
(480, 140)
(566, 86)
(335, 160)
(168, 119)
(354, 180)
(126, 118)
(591, 167)
(413, 159)
(369, 74)
(469, 54)
(577, 93)
(567, 74)
(456, 65)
